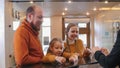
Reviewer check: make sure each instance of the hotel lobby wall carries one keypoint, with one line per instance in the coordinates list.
(103, 30)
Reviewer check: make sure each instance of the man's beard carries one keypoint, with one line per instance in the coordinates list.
(34, 27)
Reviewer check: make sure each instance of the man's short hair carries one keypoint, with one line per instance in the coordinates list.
(30, 9)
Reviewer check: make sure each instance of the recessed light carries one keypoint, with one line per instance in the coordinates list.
(87, 13)
(63, 13)
(31, 2)
(66, 9)
(94, 8)
(106, 2)
(69, 1)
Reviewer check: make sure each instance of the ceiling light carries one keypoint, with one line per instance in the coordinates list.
(66, 9)
(69, 1)
(106, 2)
(95, 9)
(63, 13)
(87, 13)
(109, 8)
(115, 8)
(31, 2)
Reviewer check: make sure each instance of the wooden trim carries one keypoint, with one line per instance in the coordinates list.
(63, 29)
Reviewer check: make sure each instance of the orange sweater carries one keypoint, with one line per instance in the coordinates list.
(27, 46)
(75, 48)
(49, 58)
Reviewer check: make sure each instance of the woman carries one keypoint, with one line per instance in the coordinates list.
(73, 45)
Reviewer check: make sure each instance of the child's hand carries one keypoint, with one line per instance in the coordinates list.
(60, 59)
(73, 59)
(63, 60)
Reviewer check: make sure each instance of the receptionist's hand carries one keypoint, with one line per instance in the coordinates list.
(105, 51)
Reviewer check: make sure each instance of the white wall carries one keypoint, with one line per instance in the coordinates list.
(2, 35)
(8, 34)
(103, 28)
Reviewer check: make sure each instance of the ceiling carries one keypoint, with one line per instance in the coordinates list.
(76, 9)
(64, 0)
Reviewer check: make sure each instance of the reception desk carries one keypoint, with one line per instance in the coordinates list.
(41, 65)
(90, 64)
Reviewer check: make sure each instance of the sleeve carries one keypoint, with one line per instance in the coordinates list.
(81, 48)
(67, 54)
(21, 50)
(48, 58)
(113, 59)
(109, 61)
(100, 57)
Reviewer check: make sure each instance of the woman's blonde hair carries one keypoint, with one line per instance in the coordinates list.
(69, 26)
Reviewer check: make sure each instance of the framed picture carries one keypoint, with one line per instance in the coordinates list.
(46, 40)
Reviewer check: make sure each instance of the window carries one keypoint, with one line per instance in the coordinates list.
(82, 25)
(84, 33)
(83, 37)
(16, 24)
(66, 24)
(46, 34)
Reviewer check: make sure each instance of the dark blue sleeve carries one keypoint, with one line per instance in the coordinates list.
(113, 59)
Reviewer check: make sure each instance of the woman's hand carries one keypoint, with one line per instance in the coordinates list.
(87, 52)
(73, 59)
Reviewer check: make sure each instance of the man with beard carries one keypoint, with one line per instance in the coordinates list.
(27, 46)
